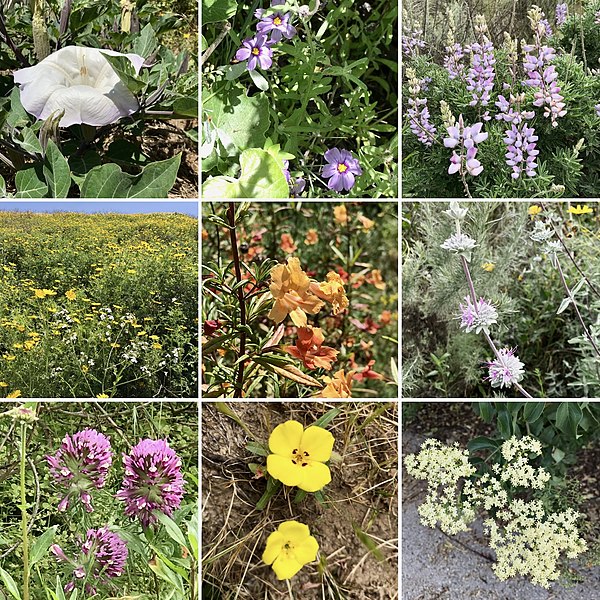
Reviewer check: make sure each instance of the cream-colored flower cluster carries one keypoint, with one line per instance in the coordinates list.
(527, 540)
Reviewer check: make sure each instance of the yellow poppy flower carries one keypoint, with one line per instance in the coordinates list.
(580, 210)
(289, 548)
(339, 386)
(299, 455)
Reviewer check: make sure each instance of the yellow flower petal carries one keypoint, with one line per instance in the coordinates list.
(315, 476)
(274, 544)
(295, 531)
(306, 551)
(284, 470)
(285, 437)
(286, 568)
(298, 317)
(318, 442)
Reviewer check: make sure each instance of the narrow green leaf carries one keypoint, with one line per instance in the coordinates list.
(172, 529)
(41, 545)
(273, 486)
(192, 534)
(259, 81)
(256, 448)
(10, 584)
(329, 416)
(504, 424)
(367, 541)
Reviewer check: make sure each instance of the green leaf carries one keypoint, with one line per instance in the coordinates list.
(368, 542)
(81, 165)
(41, 545)
(259, 81)
(171, 528)
(504, 424)
(558, 454)
(123, 67)
(329, 416)
(10, 584)
(214, 11)
(487, 411)
(272, 486)
(256, 448)
(483, 443)
(108, 181)
(18, 115)
(568, 417)
(145, 43)
(2, 187)
(533, 411)
(29, 184)
(186, 107)
(30, 142)
(234, 71)
(192, 534)
(56, 171)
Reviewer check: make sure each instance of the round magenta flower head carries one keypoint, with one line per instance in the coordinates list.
(80, 465)
(103, 556)
(153, 481)
(256, 50)
(341, 169)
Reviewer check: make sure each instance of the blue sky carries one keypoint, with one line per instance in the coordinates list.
(143, 206)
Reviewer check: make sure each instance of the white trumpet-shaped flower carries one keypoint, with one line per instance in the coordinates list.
(81, 82)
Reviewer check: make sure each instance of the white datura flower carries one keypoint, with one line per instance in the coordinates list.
(81, 82)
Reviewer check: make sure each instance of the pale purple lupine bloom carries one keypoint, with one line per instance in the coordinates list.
(561, 14)
(547, 27)
(459, 242)
(286, 170)
(466, 138)
(597, 107)
(481, 75)
(412, 42)
(81, 464)
(453, 61)
(341, 169)
(522, 152)
(278, 25)
(103, 556)
(420, 125)
(506, 369)
(153, 481)
(257, 51)
(478, 316)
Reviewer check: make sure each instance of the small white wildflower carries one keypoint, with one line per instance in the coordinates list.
(455, 211)
(459, 242)
(540, 232)
(506, 369)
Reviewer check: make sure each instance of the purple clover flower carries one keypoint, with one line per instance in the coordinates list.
(561, 14)
(153, 481)
(478, 316)
(420, 125)
(256, 50)
(341, 169)
(453, 61)
(103, 556)
(81, 464)
(467, 139)
(481, 75)
(278, 25)
(506, 369)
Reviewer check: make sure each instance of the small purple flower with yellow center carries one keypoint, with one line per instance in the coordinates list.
(278, 25)
(506, 369)
(153, 481)
(256, 50)
(81, 464)
(341, 169)
(103, 556)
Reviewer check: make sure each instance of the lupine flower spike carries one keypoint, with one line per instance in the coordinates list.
(80, 465)
(153, 481)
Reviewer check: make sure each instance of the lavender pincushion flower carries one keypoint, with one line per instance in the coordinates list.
(103, 556)
(478, 316)
(81, 464)
(153, 481)
(341, 169)
(256, 50)
(506, 369)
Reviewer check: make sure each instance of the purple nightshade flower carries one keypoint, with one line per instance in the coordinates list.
(561, 14)
(506, 369)
(278, 25)
(477, 316)
(153, 481)
(453, 61)
(466, 138)
(103, 556)
(256, 50)
(341, 169)
(80, 465)
(481, 75)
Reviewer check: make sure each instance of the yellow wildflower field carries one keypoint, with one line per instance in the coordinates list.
(98, 305)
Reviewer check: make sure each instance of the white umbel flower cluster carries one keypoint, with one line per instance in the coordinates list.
(527, 540)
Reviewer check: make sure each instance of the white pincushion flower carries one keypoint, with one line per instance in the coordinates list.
(477, 316)
(459, 242)
(81, 82)
(506, 369)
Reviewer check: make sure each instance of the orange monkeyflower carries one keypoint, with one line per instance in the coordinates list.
(385, 317)
(366, 373)
(310, 350)
(366, 223)
(204, 235)
(287, 243)
(290, 288)
(332, 291)
(340, 214)
(312, 237)
(339, 386)
(375, 278)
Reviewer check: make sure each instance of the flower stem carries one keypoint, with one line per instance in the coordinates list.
(24, 533)
(239, 382)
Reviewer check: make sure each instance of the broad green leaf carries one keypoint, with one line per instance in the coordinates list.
(504, 424)
(234, 71)
(124, 69)
(259, 81)
(10, 584)
(30, 142)
(41, 544)
(2, 187)
(186, 107)
(558, 454)
(483, 443)
(109, 181)
(81, 165)
(172, 528)
(257, 448)
(29, 184)
(486, 411)
(533, 411)
(146, 42)
(568, 417)
(56, 171)
(214, 11)
(17, 115)
(167, 574)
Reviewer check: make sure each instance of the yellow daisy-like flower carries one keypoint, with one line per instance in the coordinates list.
(488, 266)
(289, 548)
(534, 210)
(581, 210)
(70, 294)
(15, 394)
(43, 293)
(299, 455)
(102, 396)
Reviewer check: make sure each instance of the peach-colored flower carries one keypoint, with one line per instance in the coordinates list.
(339, 386)
(385, 317)
(287, 243)
(340, 214)
(290, 289)
(310, 350)
(375, 278)
(332, 291)
(369, 325)
(312, 237)
(366, 223)
(366, 373)
(204, 235)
